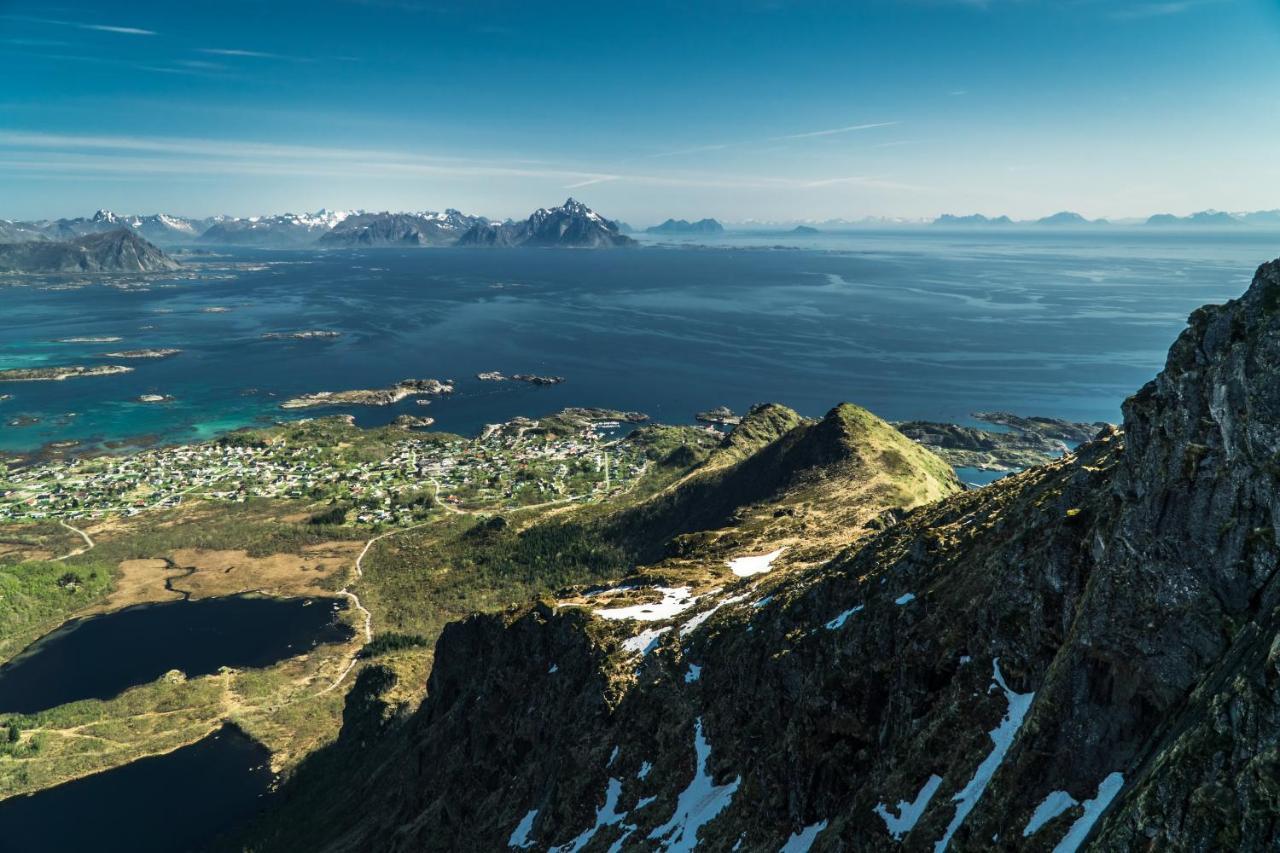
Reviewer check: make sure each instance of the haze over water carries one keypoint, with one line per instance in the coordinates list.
(911, 324)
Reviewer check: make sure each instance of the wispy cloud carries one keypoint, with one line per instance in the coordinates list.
(230, 51)
(82, 25)
(25, 154)
(1140, 11)
(811, 134)
(835, 130)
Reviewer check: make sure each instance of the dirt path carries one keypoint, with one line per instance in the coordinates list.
(88, 543)
(355, 599)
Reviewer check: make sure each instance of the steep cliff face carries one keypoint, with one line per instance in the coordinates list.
(1083, 656)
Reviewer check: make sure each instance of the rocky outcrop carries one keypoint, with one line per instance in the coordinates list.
(1081, 656)
(110, 252)
(572, 225)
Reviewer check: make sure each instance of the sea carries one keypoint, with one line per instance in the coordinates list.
(911, 323)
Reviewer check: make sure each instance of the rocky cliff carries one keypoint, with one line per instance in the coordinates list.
(1082, 656)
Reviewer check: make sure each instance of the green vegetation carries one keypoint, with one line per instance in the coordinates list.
(35, 597)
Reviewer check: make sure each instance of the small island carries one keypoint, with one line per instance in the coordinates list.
(805, 230)
(155, 398)
(57, 374)
(143, 353)
(531, 378)
(104, 339)
(304, 335)
(411, 422)
(721, 415)
(371, 397)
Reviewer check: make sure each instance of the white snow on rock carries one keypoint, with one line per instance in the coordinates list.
(644, 642)
(606, 815)
(1093, 810)
(645, 767)
(673, 601)
(553, 668)
(1002, 736)
(908, 813)
(520, 835)
(1050, 807)
(839, 621)
(745, 567)
(694, 673)
(905, 598)
(692, 625)
(697, 805)
(801, 841)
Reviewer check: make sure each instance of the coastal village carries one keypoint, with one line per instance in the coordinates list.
(499, 470)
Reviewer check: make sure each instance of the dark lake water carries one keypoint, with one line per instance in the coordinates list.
(916, 324)
(100, 656)
(166, 804)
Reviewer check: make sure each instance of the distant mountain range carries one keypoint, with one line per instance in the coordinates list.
(1069, 219)
(573, 224)
(401, 229)
(119, 250)
(684, 226)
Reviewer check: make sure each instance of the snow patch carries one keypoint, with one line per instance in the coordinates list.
(908, 813)
(1093, 809)
(606, 815)
(906, 598)
(839, 621)
(645, 641)
(801, 841)
(745, 567)
(1050, 807)
(1002, 736)
(694, 673)
(520, 835)
(645, 767)
(698, 804)
(553, 668)
(673, 601)
(692, 625)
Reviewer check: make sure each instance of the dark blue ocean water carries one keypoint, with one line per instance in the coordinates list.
(914, 324)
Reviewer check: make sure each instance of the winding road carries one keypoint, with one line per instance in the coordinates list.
(88, 543)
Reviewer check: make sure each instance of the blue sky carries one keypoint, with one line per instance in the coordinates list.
(767, 110)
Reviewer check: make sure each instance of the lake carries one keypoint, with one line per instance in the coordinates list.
(911, 324)
(167, 804)
(99, 656)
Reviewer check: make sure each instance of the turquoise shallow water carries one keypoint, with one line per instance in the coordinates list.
(910, 324)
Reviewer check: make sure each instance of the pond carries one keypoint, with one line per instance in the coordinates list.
(100, 656)
(172, 803)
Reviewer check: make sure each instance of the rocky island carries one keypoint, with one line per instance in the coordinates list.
(160, 352)
(721, 415)
(531, 378)
(57, 374)
(371, 397)
(305, 335)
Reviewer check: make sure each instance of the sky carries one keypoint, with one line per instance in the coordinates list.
(767, 110)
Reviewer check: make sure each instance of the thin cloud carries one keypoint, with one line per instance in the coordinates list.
(82, 25)
(699, 149)
(835, 130)
(23, 154)
(231, 51)
(1141, 11)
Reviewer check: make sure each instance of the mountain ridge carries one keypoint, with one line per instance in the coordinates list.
(1048, 661)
